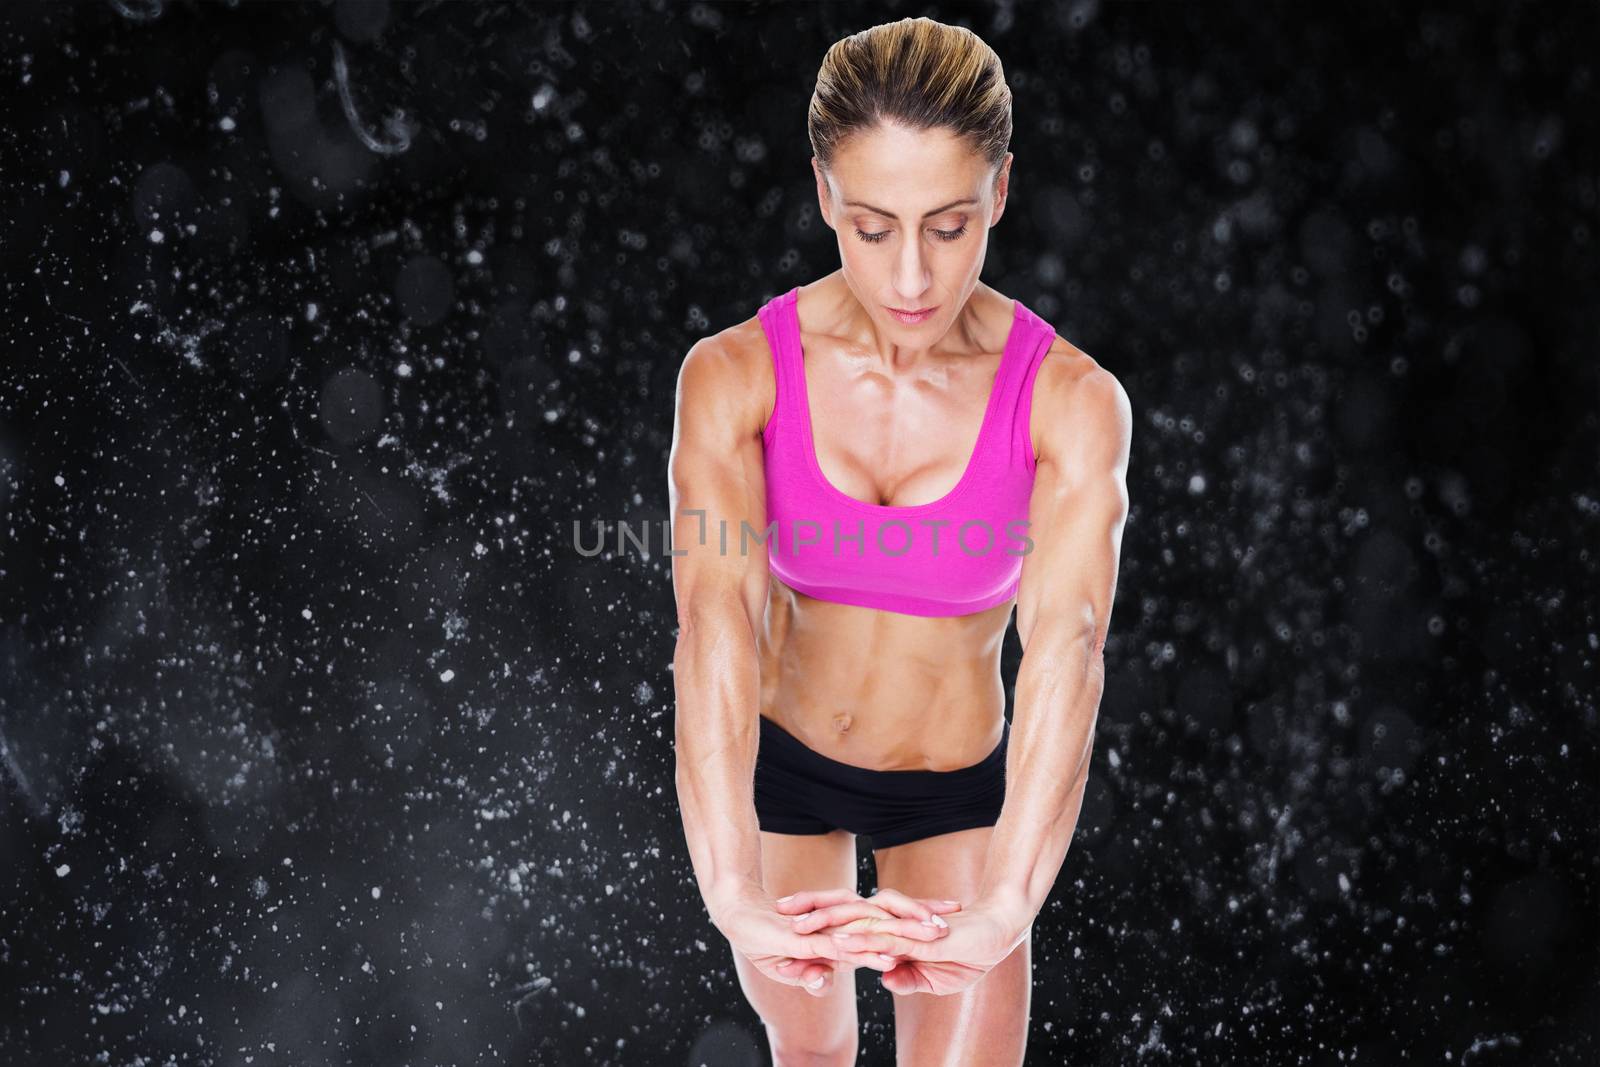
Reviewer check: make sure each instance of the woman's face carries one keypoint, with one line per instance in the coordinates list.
(912, 211)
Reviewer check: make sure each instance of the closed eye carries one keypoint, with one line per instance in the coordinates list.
(943, 235)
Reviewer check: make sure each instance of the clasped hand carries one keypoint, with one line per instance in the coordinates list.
(919, 946)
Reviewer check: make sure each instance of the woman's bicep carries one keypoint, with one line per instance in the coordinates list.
(1076, 514)
(716, 487)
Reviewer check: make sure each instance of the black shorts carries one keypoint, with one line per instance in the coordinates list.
(801, 791)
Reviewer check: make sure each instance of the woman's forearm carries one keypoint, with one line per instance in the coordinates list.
(1047, 766)
(717, 680)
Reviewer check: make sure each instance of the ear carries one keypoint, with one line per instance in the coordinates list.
(824, 195)
(1002, 185)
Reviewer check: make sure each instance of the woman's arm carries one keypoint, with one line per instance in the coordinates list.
(715, 484)
(1075, 519)
(1076, 515)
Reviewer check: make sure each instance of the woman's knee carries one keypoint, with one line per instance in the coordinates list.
(807, 1030)
(802, 1028)
(802, 1049)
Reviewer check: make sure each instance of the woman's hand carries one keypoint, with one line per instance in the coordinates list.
(816, 909)
(889, 911)
(979, 938)
(754, 925)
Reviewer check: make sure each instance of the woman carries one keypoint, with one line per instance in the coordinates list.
(865, 478)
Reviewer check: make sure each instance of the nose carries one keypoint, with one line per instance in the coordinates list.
(910, 275)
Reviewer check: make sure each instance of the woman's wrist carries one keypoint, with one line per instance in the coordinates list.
(1011, 905)
(720, 894)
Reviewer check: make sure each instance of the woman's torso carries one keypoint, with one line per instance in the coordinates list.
(919, 686)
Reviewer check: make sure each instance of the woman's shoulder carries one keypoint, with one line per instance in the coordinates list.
(1074, 395)
(735, 364)
(1067, 372)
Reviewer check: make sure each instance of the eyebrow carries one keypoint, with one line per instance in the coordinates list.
(892, 215)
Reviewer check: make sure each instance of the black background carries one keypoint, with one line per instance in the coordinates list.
(324, 322)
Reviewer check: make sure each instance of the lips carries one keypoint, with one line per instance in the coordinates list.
(911, 318)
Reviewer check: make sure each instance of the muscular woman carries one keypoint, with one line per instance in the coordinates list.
(866, 478)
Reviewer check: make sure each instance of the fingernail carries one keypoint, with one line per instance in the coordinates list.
(930, 922)
(886, 958)
(815, 983)
(946, 902)
(791, 897)
(841, 937)
(938, 920)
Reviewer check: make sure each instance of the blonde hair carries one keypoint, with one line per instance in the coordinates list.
(915, 72)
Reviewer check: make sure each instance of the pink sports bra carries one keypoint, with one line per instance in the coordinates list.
(956, 555)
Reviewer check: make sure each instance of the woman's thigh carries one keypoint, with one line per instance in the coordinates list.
(795, 1019)
(987, 1023)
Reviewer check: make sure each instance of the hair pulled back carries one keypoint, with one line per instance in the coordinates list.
(915, 72)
